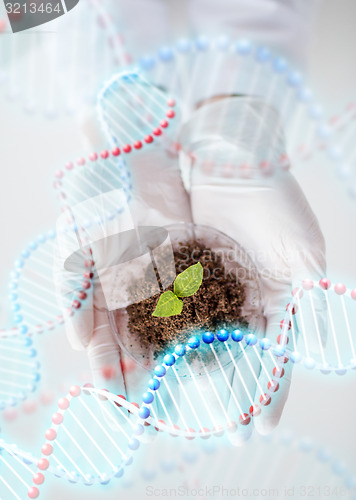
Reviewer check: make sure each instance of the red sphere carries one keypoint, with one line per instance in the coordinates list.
(283, 324)
(164, 123)
(192, 434)
(43, 464)
(325, 284)
(340, 288)
(157, 131)
(76, 304)
(278, 372)
(170, 113)
(265, 399)
(244, 419)
(148, 139)
(127, 148)
(33, 492)
(104, 154)
(82, 295)
(273, 386)
(116, 152)
(282, 339)
(86, 285)
(171, 103)
(293, 309)
(308, 284)
(160, 422)
(137, 145)
(255, 410)
(122, 397)
(136, 405)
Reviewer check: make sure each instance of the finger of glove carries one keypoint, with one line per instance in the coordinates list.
(281, 332)
(275, 375)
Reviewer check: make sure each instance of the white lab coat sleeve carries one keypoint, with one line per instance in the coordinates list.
(282, 26)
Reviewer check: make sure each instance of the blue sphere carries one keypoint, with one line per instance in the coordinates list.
(202, 43)
(23, 329)
(294, 79)
(13, 297)
(223, 42)
(166, 54)
(263, 54)
(194, 342)
(251, 339)
(41, 238)
(305, 94)
(160, 371)
(138, 429)
(18, 318)
(19, 263)
(133, 444)
(169, 359)
(222, 335)
(295, 357)
(265, 344)
(280, 65)
(208, 337)
(154, 384)
(243, 47)
(119, 473)
(105, 479)
(32, 353)
(25, 253)
(180, 350)
(279, 350)
(16, 307)
(27, 342)
(33, 245)
(184, 45)
(237, 335)
(147, 397)
(144, 412)
(147, 63)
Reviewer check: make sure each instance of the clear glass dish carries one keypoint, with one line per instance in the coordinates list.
(236, 261)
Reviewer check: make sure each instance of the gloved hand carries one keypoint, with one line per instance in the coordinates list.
(237, 187)
(155, 198)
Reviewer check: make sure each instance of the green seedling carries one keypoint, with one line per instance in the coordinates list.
(186, 284)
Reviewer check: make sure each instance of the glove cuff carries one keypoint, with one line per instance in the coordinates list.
(244, 132)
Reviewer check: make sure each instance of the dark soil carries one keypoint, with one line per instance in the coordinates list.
(217, 303)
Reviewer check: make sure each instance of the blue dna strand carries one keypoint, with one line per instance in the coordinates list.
(32, 288)
(211, 384)
(248, 69)
(19, 369)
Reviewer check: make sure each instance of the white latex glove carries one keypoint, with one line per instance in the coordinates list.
(267, 214)
(158, 198)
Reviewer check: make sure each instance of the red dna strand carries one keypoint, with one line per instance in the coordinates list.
(322, 308)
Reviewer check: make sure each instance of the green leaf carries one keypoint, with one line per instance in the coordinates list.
(188, 282)
(168, 305)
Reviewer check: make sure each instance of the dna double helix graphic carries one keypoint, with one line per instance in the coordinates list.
(210, 386)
